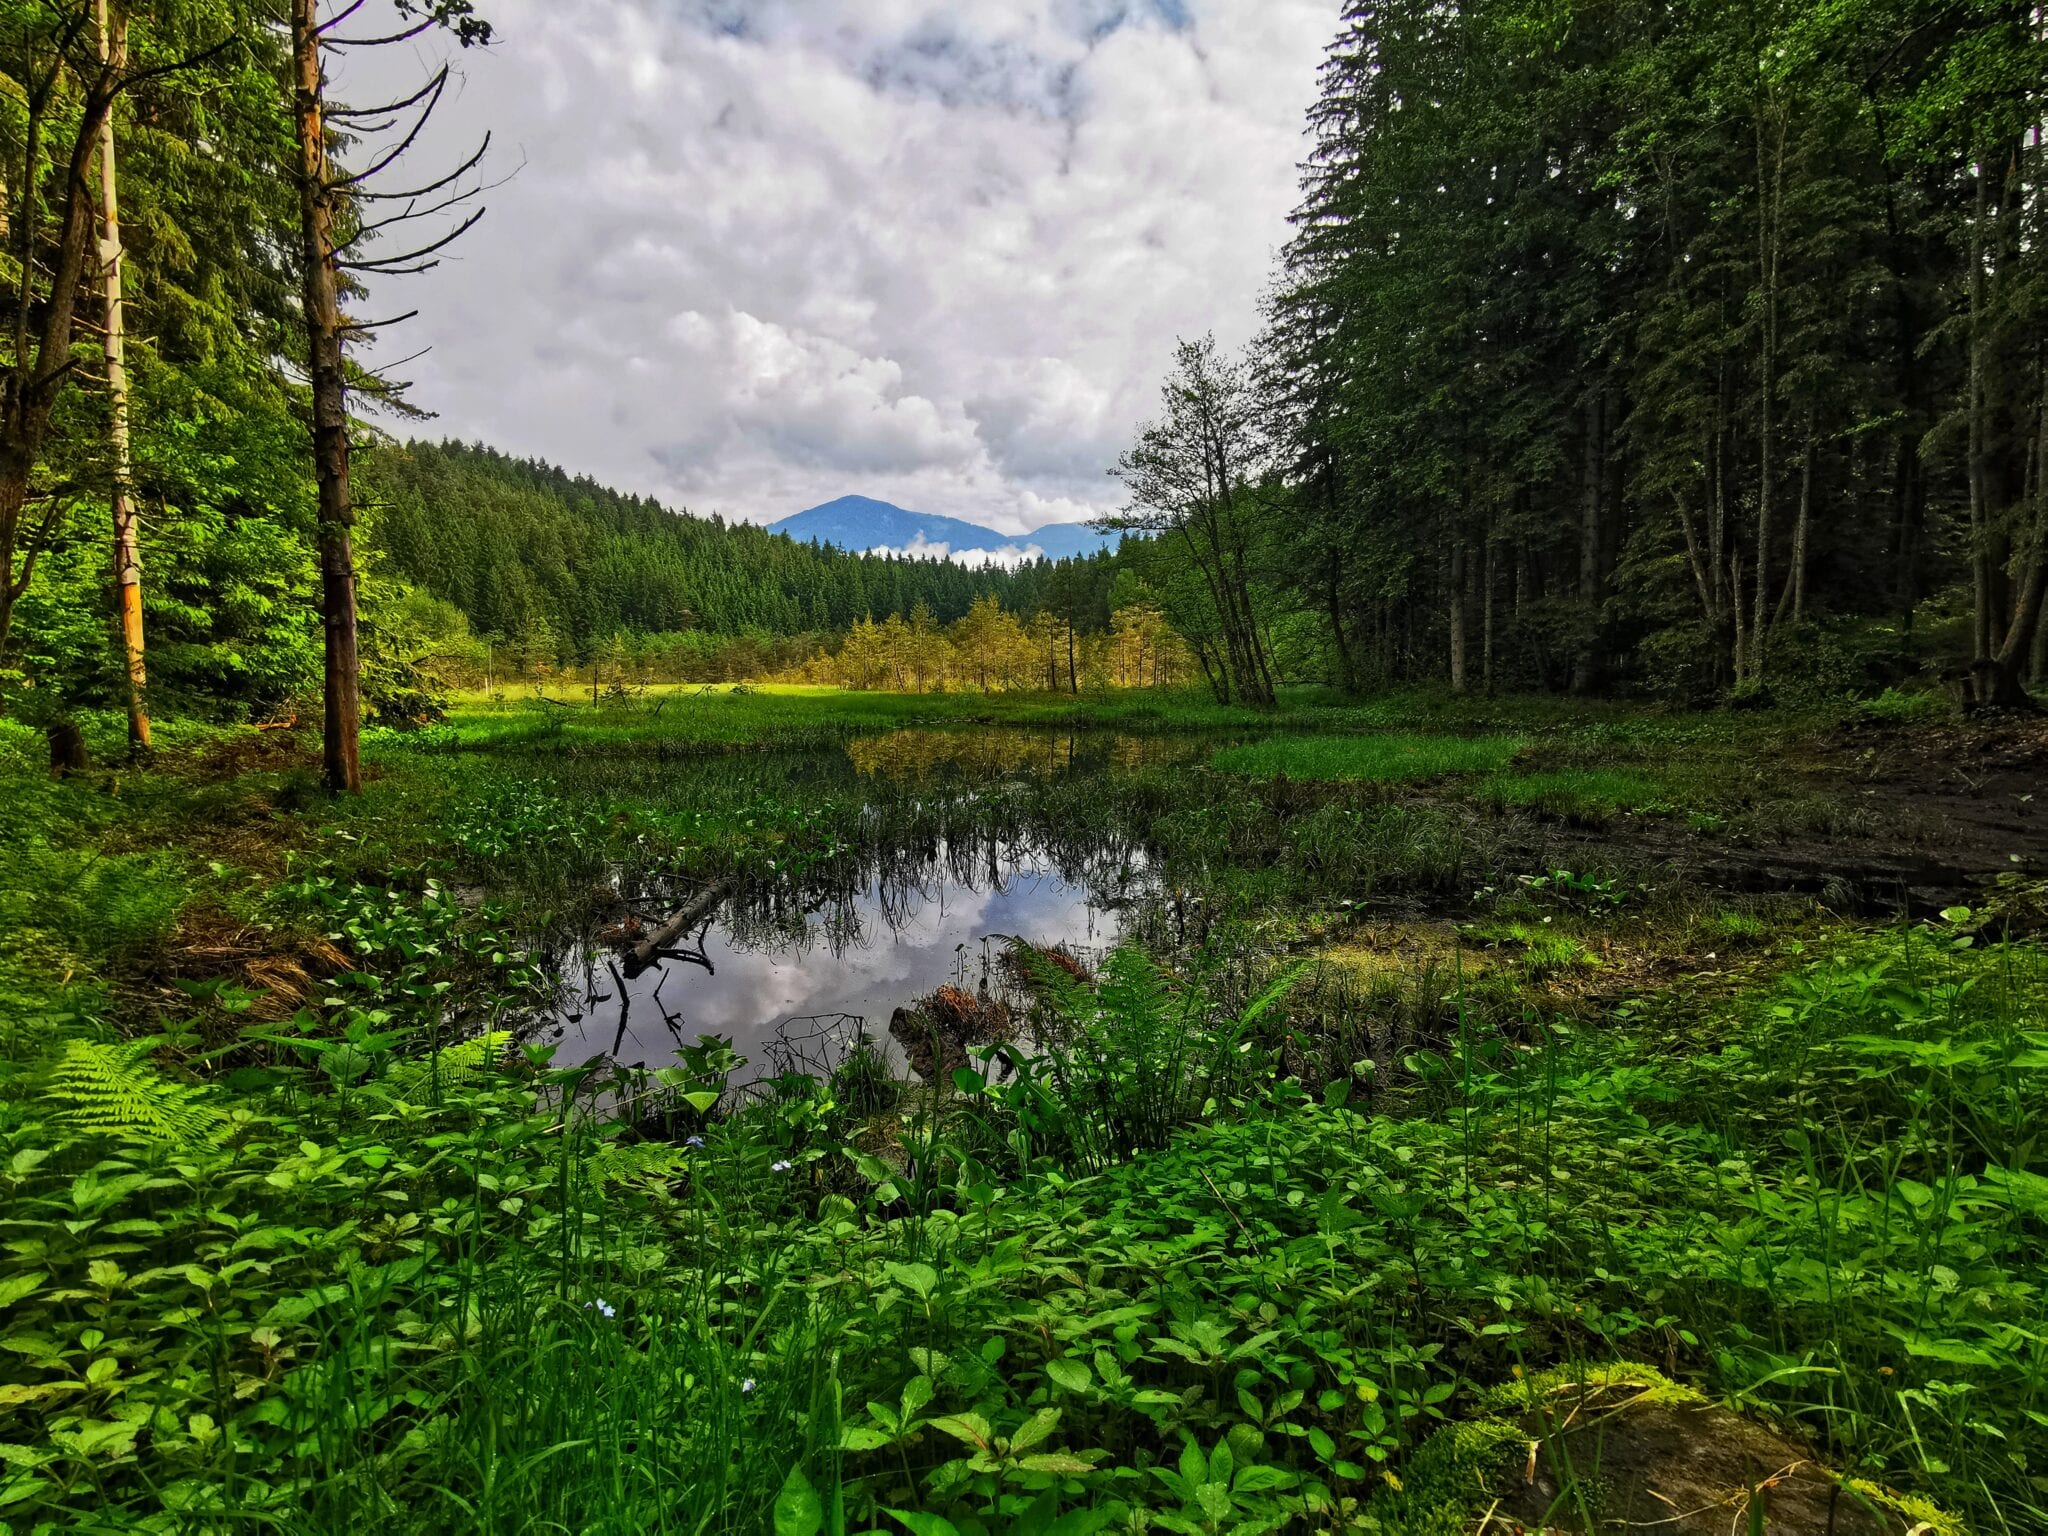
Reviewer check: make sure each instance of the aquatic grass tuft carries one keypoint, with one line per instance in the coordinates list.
(1577, 793)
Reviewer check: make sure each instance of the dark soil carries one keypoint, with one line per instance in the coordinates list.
(1931, 818)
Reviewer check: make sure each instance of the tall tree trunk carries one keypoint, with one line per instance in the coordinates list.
(1739, 644)
(113, 40)
(2005, 685)
(1907, 486)
(1793, 599)
(1218, 676)
(2009, 664)
(1486, 585)
(1333, 610)
(1770, 203)
(1591, 541)
(1727, 636)
(342, 697)
(1457, 612)
(1976, 406)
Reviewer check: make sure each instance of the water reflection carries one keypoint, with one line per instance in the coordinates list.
(920, 753)
(785, 953)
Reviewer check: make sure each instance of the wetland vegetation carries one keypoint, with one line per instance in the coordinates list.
(1418, 1049)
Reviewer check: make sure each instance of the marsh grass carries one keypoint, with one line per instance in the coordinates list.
(1175, 1270)
(1388, 757)
(1593, 795)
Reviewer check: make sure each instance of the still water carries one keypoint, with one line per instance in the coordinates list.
(786, 987)
(789, 971)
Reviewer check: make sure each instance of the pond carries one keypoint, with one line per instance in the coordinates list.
(790, 971)
(795, 981)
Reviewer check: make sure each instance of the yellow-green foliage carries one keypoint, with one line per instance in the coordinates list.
(1444, 1491)
(1927, 1520)
(112, 1090)
(1523, 1394)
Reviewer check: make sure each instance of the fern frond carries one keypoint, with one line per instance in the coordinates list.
(454, 1064)
(112, 1090)
(616, 1162)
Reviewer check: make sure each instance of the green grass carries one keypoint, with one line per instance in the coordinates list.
(1895, 707)
(1388, 757)
(473, 1314)
(1594, 793)
(684, 719)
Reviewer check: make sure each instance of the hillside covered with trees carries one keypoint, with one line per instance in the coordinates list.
(524, 550)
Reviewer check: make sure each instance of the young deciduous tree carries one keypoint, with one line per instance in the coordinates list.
(1192, 478)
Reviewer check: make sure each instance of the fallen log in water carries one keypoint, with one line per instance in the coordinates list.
(688, 916)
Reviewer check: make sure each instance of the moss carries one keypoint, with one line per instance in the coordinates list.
(1652, 1387)
(1927, 1519)
(1467, 1470)
(1444, 1490)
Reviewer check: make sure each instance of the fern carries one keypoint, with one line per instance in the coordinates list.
(617, 1162)
(112, 1090)
(455, 1064)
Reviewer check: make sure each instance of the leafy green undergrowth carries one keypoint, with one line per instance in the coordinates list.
(1391, 757)
(324, 1275)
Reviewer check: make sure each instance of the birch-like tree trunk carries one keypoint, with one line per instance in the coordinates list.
(113, 40)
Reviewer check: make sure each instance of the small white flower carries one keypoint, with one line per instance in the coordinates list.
(604, 1308)
(693, 1141)
(747, 1386)
(781, 1165)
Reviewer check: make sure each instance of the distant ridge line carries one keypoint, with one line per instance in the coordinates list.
(863, 523)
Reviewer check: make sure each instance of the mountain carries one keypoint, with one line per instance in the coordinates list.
(861, 523)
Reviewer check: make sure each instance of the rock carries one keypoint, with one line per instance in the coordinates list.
(1621, 1447)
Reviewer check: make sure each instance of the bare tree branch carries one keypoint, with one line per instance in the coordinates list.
(362, 196)
(432, 100)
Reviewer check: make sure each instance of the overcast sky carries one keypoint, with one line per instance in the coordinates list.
(760, 253)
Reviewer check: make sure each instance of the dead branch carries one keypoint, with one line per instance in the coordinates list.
(436, 87)
(410, 261)
(693, 912)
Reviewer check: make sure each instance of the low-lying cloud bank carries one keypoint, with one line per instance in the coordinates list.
(1006, 557)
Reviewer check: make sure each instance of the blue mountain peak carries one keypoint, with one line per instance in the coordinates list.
(861, 522)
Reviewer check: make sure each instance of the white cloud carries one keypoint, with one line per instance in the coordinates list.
(1007, 556)
(761, 253)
